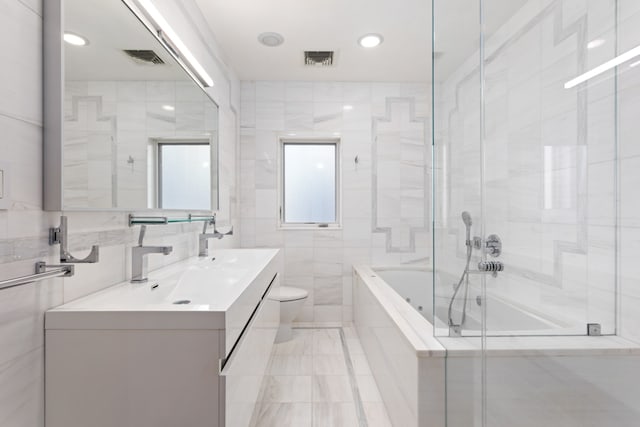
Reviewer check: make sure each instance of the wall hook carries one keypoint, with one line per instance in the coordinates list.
(59, 235)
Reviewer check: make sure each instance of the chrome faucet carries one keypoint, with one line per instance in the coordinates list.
(139, 260)
(203, 238)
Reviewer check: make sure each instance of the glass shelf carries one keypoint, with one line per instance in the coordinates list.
(161, 220)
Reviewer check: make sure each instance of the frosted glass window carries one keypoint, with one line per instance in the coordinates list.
(309, 183)
(184, 178)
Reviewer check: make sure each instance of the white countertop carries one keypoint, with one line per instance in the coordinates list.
(212, 287)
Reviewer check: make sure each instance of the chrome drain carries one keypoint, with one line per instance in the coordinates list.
(183, 301)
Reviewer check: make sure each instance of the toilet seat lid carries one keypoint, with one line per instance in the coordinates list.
(287, 293)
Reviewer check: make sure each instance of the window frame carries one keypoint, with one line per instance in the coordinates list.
(336, 142)
(156, 171)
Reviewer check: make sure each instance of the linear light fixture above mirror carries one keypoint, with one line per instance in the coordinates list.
(170, 39)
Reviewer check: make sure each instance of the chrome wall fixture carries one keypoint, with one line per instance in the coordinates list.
(139, 257)
(162, 220)
(41, 273)
(203, 238)
(58, 235)
(492, 246)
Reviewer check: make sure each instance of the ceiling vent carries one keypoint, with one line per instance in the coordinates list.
(144, 56)
(318, 58)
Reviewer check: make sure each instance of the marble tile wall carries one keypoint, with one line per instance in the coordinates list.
(320, 260)
(24, 227)
(549, 163)
(628, 103)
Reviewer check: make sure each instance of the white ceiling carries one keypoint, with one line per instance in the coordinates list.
(336, 25)
(111, 27)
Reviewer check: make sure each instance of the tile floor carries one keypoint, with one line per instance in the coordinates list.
(311, 382)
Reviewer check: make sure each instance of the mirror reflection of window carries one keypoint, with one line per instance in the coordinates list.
(184, 175)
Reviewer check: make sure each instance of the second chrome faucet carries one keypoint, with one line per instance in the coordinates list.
(203, 238)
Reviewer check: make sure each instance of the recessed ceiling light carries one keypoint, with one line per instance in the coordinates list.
(75, 39)
(168, 107)
(370, 40)
(595, 43)
(347, 107)
(271, 39)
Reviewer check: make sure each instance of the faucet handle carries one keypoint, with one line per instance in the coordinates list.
(228, 233)
(220, 235)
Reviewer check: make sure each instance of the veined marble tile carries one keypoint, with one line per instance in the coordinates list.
(188, 92)
(24, 376)
(270, 91)
(107, 90)
(300, 344)
(299, 91)
(329, 364)
(284, 415)
(131, 91)
(266, 174)
(334, 414)
(266, 145)
(298, 116)
(189, 117)
(331, 388)
(26, 180)
(291, 365)
(376, 414)
(287, 388)
(161, 91)
(327, 116)
(298, 261)
(356, 92)
(327, 341)
(327, 290)
(360, 364)
(327, 315)
(270, 116)
(358, 117)
(247, 92)
(327, 92)
(368, 388)
(22, 77)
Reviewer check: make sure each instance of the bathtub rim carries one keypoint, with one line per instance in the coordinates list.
(426, 344)
(420, 336)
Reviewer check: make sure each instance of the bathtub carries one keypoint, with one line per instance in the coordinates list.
(429, 381)
(504, 318)
(408, 363)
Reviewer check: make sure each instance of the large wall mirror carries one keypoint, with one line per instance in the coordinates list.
(126, 127)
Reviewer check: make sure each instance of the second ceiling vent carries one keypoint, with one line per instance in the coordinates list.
(318, 58)
(144, 56)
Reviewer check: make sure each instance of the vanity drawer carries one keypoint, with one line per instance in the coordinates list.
(243, 371)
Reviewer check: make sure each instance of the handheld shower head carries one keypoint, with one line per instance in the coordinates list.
(466, 218)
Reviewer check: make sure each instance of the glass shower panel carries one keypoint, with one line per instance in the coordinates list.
(525, 152)
(550, 167)
(457, 189)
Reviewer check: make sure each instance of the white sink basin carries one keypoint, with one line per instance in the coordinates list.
(213, 294)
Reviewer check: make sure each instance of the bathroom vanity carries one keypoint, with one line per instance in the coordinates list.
(189, 347)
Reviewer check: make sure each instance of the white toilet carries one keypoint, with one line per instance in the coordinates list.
(291, 301)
